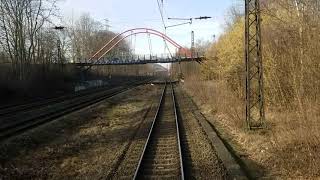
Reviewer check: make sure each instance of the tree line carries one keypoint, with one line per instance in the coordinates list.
(28, 36)
(290, 38)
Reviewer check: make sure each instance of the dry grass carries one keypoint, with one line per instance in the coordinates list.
(287, 149)
(215, 97)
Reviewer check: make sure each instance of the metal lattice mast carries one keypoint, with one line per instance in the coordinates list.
(255, 114)
(192, 43)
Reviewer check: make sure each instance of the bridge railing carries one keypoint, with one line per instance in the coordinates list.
(141, 59)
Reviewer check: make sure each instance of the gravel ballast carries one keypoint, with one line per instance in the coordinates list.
(201, 160)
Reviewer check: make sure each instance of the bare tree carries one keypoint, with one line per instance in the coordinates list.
(20, 26)
(88, 35)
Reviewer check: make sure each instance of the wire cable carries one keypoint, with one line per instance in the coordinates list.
(161, 13)
(150, 44)
(164, 24)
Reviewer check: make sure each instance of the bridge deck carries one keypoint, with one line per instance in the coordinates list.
(117, 61)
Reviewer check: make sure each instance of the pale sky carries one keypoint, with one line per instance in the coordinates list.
(127, 14)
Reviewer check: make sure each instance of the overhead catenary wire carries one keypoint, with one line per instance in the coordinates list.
(178, 24)
(135, 42)
(161, 12)
(150, 44)
(164, 24)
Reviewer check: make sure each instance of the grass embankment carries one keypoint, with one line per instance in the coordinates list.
(288, 148)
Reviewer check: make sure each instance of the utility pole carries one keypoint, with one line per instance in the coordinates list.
(255, 113)
(59, 53)
(107, 24)
(192, 43)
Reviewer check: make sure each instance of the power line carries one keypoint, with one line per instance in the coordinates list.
(161, 13)
(186, 19)
(126, 21)
(203, 17)
(178, 24)
(164, 24)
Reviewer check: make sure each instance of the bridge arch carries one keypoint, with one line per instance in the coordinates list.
(121, 36)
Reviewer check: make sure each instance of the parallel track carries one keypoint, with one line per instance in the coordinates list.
(18, 123)
(14, 109)
(161, 156)
(6, 111)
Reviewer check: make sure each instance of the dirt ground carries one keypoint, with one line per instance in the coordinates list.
(83, 145)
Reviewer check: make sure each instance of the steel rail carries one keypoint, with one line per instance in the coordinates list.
(11, 130)
(152, 129)
(36, 104)
(178, 131)
(150, 132)
(19, 108)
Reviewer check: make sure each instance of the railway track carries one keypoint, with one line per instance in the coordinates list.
(22, 120)
(168, 143)
(161, 156)
(5, 111)
(14, 109)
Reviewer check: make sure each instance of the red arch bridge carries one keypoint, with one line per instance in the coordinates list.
(101, 56)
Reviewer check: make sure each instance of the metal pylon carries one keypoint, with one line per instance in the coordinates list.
(192, 43)
(255, 114)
